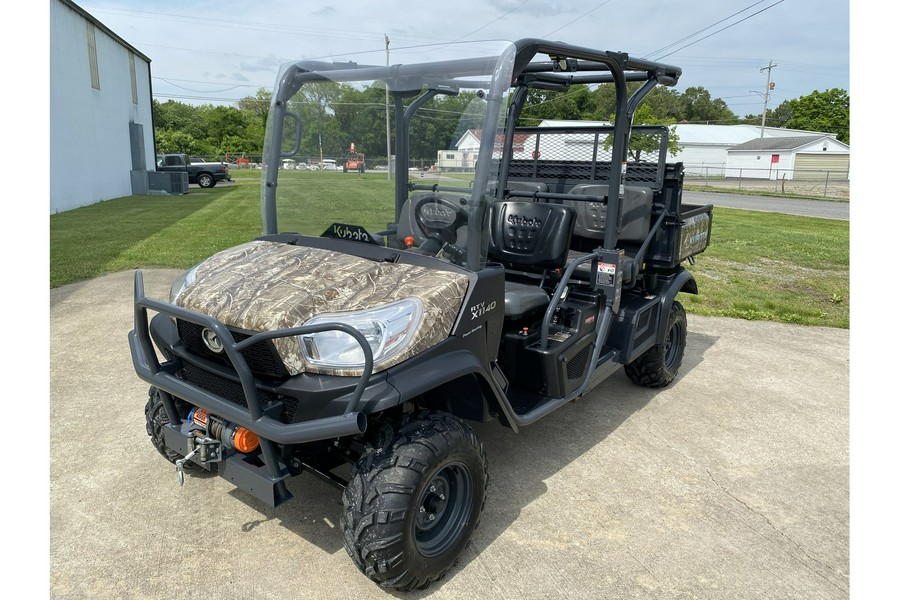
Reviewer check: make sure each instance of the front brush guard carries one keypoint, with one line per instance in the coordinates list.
(254, 416)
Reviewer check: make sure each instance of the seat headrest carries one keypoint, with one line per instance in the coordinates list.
(533, 234)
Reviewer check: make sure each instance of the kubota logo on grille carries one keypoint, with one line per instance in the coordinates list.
(212, 341)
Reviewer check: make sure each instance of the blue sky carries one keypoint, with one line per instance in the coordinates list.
(214, 52)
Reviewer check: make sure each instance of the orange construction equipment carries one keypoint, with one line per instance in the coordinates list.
(356, 161)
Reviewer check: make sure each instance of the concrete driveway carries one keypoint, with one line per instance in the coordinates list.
(731, 483)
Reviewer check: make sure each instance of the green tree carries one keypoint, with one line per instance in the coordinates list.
(572, 104)
(822, 111)
(360, 114)
(641, 144)
(441, 122)
(177, 142)
(664, 103)
(176, 116)
(233, 145)
(774, 118)
(315, 104)
(256, 108)
(698, 106)
(219, 122)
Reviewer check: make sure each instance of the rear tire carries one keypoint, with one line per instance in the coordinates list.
(658, 366)
(157, 418)
(205, 180)
(414, 500)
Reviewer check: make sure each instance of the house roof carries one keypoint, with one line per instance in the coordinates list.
(104, 28)
(559, 123)
(701, 134)
(518, 138)
(784, 143)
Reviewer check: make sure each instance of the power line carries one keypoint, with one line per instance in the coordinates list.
(245, 25)
(675, 43)
(205, 98)
(721, 30)
(546, 35)
(181, 87)
(494, 21)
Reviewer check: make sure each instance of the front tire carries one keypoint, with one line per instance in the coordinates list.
(414, 500)
(659, 365)
(157, 418)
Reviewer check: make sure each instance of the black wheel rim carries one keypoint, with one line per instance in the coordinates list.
(443, 509)
(673, 342)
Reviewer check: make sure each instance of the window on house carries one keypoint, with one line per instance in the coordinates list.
(451, 156)
(92, 55)
(134, 94)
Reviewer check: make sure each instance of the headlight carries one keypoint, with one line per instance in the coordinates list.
(181, 282)
(388, 329)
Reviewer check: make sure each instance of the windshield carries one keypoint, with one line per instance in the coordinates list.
(397, 155)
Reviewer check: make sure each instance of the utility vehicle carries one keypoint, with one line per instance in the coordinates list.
(356, 336)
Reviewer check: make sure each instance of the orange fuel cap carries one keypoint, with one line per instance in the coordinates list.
(409, 241)
(245, 440)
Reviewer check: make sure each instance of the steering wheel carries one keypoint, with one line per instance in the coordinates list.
(439, 219)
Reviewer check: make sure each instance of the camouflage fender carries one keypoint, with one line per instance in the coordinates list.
(266, 286)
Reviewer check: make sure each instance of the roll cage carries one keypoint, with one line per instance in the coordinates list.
(520, 66)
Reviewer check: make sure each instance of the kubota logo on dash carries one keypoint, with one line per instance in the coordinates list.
(481, 308)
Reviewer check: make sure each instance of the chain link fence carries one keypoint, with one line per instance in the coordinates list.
(314, 163)
(823, 183)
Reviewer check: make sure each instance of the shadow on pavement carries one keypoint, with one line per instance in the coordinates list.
(518, 464)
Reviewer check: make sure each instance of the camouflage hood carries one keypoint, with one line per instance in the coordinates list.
(265, 286)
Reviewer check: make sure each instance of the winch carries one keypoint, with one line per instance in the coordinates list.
(211, 433)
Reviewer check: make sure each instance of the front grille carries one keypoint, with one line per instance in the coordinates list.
(262, 358)
(232, 390)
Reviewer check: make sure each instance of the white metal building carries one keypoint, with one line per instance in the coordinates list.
(705, 149)
(101, 124)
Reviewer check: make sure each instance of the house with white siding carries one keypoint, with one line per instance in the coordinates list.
(707, 149)
(806, 157)
(465, 151)
(704, 150)
(101, 124)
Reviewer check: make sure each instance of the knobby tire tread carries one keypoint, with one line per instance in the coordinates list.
(381, 492)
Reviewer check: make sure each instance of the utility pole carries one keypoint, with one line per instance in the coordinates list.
(769, 87)
(387, 104)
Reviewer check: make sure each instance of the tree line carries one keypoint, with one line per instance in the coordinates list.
(348, 114)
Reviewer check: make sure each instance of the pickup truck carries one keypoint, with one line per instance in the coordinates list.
(204, 174)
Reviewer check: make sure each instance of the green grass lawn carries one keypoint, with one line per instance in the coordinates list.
(774, 267)
(759, 265)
